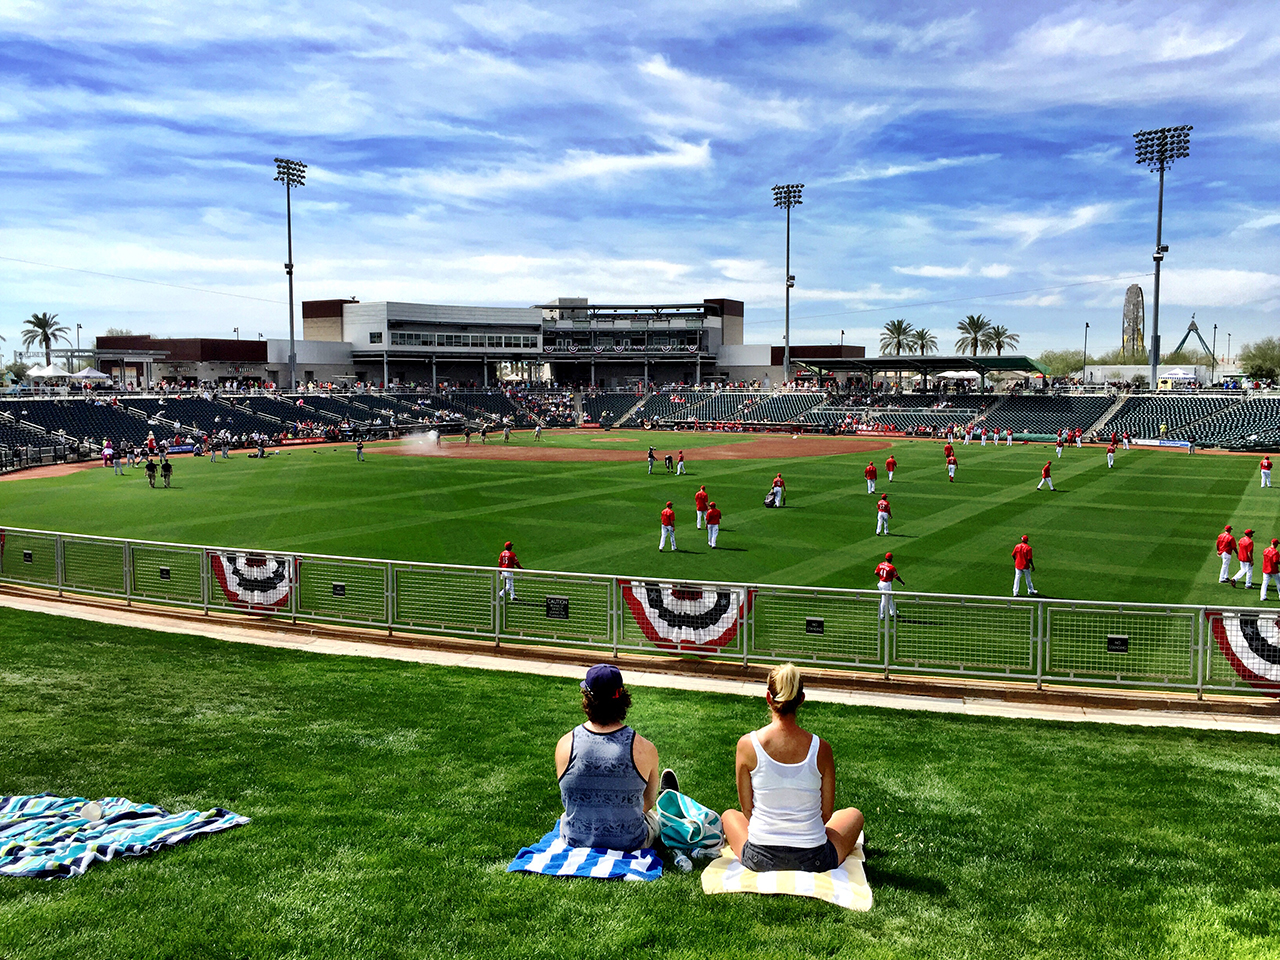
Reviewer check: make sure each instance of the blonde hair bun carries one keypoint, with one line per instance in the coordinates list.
(785, 684)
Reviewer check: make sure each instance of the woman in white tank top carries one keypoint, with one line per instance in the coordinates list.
(787, 789)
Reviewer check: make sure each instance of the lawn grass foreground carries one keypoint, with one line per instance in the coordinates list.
(387, 799)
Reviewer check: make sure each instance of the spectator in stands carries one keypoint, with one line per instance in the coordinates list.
(786, 781)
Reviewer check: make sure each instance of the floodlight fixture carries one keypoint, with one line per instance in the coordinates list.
(1157, 150)
(787, 195)
(292, 173)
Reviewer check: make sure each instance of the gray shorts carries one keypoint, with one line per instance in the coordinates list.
(763, 857)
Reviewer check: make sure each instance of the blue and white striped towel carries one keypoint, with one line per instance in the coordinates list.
(49, 837)
(554, 858)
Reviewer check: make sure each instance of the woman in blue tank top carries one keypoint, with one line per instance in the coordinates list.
(787, 790)
(608, 773)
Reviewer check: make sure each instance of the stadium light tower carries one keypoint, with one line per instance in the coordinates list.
(787, 196)
(1158, 149)
(291, 173)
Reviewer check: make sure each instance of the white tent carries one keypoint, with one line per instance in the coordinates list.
(956, 375)
(47, 373)
(90, 373)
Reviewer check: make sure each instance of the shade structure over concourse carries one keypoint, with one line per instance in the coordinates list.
(831, 360)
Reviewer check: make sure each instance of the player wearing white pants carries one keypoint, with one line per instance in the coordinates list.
(883, 513)
(679, 463)
(1023, 566)
(890, 465)
(1125, 441)
(1226, 549)
(1044, 475)
(1008, 438)
(508, 564)
(887, 573)
(668, 528)
(713, 525)
(1111, 456)
(1244, 553)
(1271, 567)
(870, 474)
(1266, 471)
(700, 504)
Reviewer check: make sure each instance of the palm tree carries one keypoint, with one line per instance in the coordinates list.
(998, 338)
(44, 332)
(923, 341)
(896, 337)
(973, 334)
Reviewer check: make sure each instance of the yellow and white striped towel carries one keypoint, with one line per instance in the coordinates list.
(845, 886)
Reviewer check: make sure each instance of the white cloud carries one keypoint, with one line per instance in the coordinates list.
(683, 101)
(1261, 223)
(990, 270)
(864, 173)
(1028, 228)
(1209, 287)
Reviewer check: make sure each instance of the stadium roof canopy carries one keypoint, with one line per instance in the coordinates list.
(930, 366)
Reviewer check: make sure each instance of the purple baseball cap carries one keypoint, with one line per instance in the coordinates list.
(603, 681)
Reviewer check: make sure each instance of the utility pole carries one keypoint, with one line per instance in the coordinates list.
(787, 196)
(291, 173)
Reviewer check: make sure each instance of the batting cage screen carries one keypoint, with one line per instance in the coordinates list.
(1031, 640)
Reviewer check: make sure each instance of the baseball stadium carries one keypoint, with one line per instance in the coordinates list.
(389, 787)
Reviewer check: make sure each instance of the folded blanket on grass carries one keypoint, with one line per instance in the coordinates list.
(46, 836)
(845, 886)
(553, 857)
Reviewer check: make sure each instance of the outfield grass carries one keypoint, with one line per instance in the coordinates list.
(387, 799)
(1143, 531)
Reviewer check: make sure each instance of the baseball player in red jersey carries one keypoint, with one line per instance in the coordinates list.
(1265, 466)
(668, 527)
(713, 525)
(1111, 454)
(1244, 553)
(1023, 566)
(1226, 548)
(1079, 434)
(948, 450)
(700, 504)
(883, 513)
(508, 564)
(951, 468)
(1271, 568)
(982, 437)
(1114, 438)
(1044, 475)
(1124, 438)
(886, 572)
(781, 486)
(870, 474)
(679, 462)
(1008, 437)
(1059, 447)
(890, 465)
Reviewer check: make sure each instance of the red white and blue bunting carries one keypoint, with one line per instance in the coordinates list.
(687, 618)
(258, 581)
(1251, 643)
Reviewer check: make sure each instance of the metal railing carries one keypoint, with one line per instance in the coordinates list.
(1031, 640)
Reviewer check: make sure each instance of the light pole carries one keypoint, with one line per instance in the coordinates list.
(77, 343)
(1085, 369)
(1214, 375)
(1158, 149)
(1228, 349)
(787, 196)
(291, 173)
(237, 330)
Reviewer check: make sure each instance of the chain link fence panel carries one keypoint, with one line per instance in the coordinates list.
(166, 574)
(351, 591)
(557, 608)
(1243, 649)
(93, 566)
(1121, 645)
(29, 557)
(979, 636)
(445, 599)
(817, 626)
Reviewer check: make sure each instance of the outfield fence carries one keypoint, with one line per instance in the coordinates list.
(1029, 640)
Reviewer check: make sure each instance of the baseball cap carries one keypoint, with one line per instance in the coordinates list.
(668, 503)
(1248, 531)
(1274, 541)
(1024, 538)
(507, 545)
(603, 682)
(1227, 527)
(888, 556)
(713, 503)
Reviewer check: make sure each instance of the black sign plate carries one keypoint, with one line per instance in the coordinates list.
(27, 557)
(164, 573)
(339, 589)
(815, 625)
(557, 608)
(1117, 643)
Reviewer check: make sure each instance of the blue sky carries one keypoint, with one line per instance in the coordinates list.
(509, 153)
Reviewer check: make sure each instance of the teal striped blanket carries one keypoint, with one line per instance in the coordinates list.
(46, 836)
